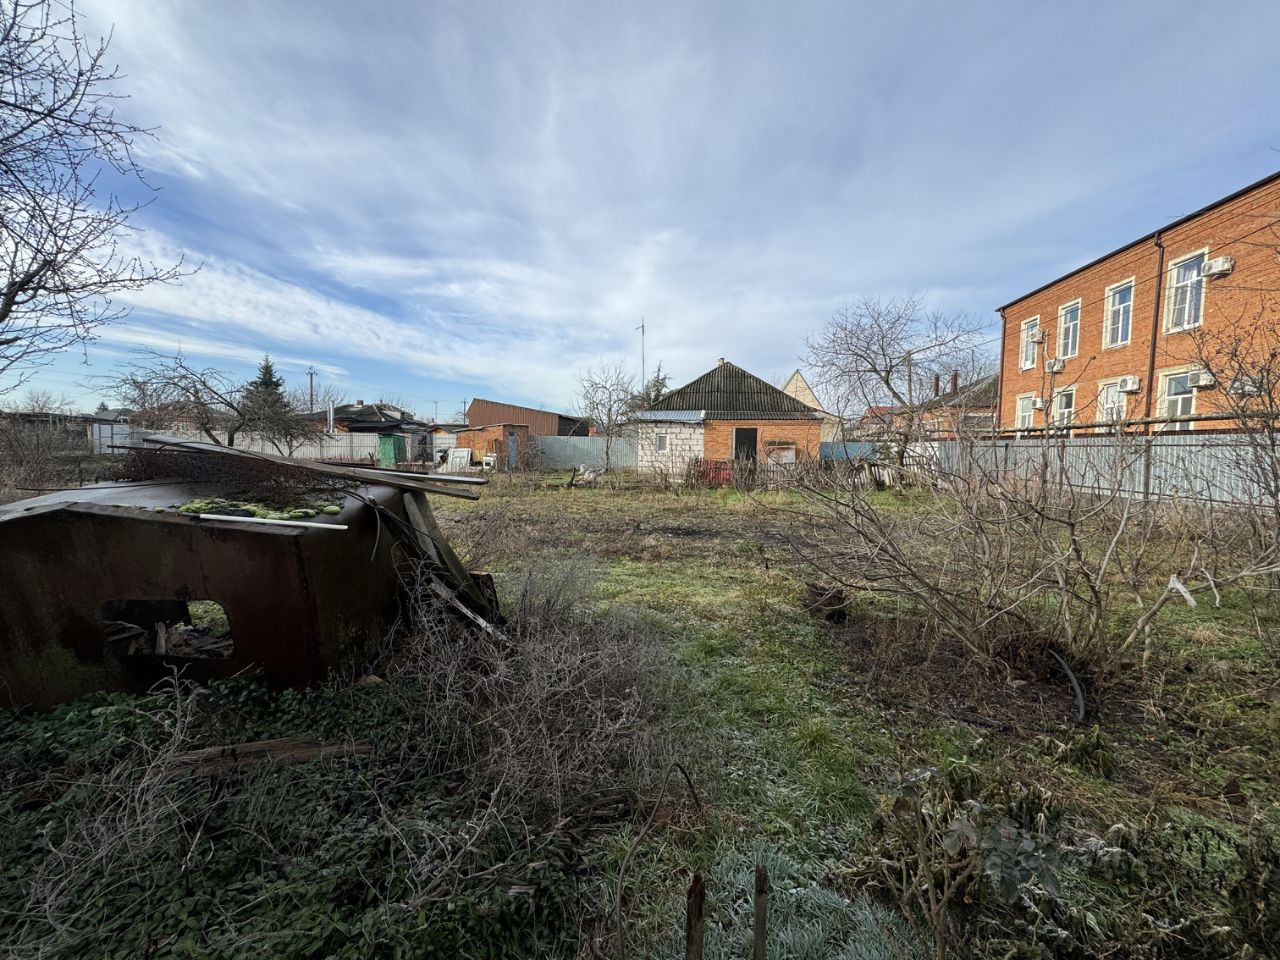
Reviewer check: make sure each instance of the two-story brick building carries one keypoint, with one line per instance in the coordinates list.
(1126, 337)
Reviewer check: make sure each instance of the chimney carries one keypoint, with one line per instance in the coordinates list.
(955, 381)
(720, 362)
(937, 384)
(359, 403)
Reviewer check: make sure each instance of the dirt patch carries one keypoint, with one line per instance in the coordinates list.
(915, 668)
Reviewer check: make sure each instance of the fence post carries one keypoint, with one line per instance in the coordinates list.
(761, 904)
(1146, 466)
(695, 918)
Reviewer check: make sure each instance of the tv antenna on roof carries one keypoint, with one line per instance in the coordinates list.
(641, 329)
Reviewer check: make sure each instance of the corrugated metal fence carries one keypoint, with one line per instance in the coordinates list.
(1222, 467)
(562, 453)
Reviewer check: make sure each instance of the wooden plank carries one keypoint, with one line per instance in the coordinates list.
(364, 476)
(695, 918)
(760, 904)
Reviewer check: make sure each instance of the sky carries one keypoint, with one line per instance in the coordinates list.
(438, 201)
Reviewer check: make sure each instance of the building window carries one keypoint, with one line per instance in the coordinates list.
(1119, 318)
(660, 442)
(1068, 330)
(1178, 399)
(1026, 412)
(1111, 402)
(1064, 407)
(1030, 334)
(1186, 293)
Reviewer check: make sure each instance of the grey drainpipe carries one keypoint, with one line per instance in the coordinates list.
(1155, 328)
(1151, 364)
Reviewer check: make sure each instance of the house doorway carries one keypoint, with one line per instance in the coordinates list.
(744, 443)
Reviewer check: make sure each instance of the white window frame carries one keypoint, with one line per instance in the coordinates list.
(1018, 411)
(1024, 341)
(1107, 343)
(1162, 398)
(1061, 354)
(1058, 420)
(660, 442)
(1121, 398)
(1171, 287)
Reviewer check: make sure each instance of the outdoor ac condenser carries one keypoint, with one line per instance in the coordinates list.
(1128, 384)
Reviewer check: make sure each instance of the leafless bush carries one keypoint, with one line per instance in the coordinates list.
(1012, 561)
(554, 708)
(139, 810)
(35, 454)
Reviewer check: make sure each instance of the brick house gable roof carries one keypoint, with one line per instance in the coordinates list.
(727, 392)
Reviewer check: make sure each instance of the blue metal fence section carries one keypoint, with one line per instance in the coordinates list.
(846, 450)
(1229, 468)
(562, 453)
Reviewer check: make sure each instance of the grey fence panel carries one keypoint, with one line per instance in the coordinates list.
(562, 453)
(1227, 468)
(846, 450)
(326, 446)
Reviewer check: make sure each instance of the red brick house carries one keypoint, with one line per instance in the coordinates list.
(726, 414)
(1131, 335)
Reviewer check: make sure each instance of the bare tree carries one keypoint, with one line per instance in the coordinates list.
(605, 395)
(875, 352)
(46, 401)
(169, 393)
(61, 225)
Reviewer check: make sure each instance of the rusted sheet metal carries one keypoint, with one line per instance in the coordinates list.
(301, 603)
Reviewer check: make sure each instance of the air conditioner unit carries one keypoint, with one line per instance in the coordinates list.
(1056, 366)
(1218, 267)
(1037, 337)
(1037, 403)
(1245, 386)
(1200, 379)
(1129, 384)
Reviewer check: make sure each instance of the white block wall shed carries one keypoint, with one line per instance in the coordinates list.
(666, 441)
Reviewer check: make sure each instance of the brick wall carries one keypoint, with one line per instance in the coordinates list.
(493, 440)
(1246, 300)
(684, 443)
(717, 441)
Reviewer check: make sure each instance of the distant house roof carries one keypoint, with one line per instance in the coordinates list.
(367, 416)
(481, 412)
(797, 386)
(979, 393)
(727, 392)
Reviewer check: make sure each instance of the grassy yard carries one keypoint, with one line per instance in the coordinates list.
(814, 748)
(799, 731)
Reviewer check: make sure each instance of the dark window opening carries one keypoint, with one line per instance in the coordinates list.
(167, 628)
(744, 443)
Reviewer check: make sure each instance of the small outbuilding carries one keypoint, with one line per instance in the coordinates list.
(507, 443)
(726, 415)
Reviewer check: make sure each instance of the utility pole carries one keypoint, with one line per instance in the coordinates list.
(641, 329)
(311, 388)
(435, 415)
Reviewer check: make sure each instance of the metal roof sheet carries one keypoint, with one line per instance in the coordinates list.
(671, 416)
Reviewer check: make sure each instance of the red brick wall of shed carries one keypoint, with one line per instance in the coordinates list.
(1244, 228)
(717, 438)
(492, 439)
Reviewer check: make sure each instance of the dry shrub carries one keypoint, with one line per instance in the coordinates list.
(1009, 564)
(554, 711)
(495, 760)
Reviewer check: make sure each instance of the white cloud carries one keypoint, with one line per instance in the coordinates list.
(494, 195)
